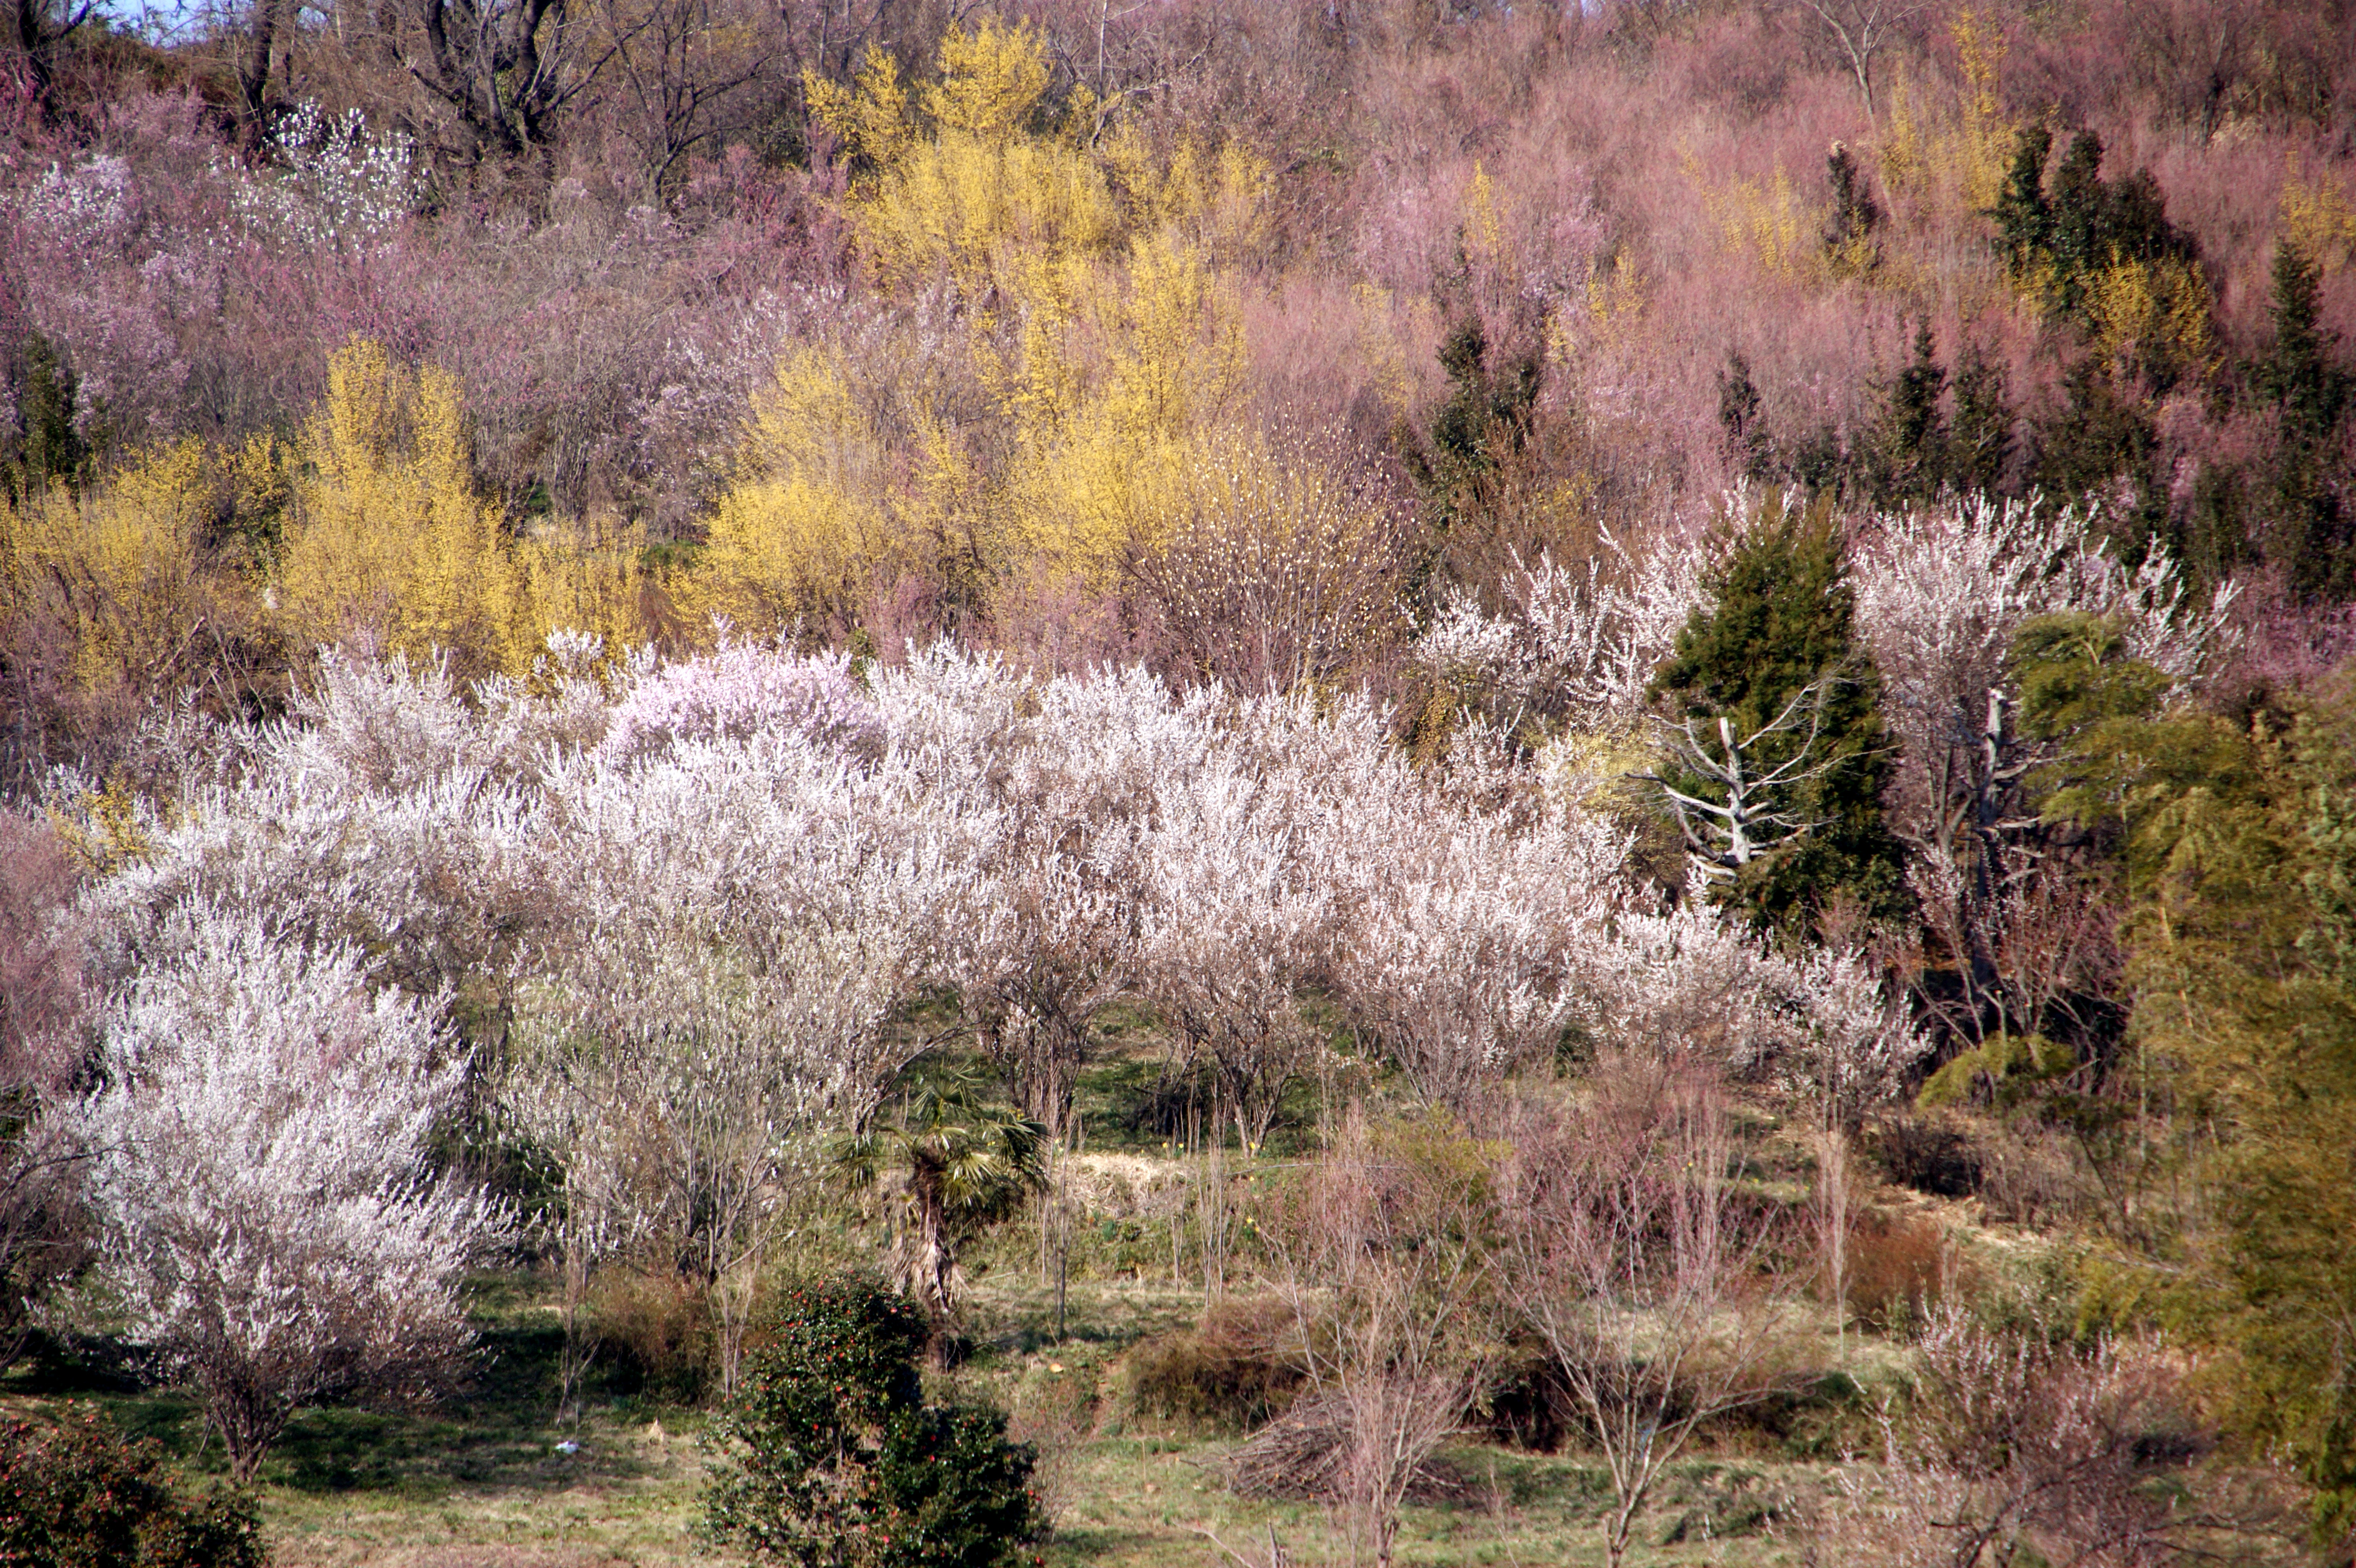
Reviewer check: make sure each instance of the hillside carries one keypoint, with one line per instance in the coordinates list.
(894, 786)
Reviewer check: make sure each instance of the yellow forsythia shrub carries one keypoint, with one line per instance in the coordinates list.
(389, 542)
(808, 525)
(120, 565)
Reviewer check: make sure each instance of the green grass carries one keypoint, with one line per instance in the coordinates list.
(478, 1479)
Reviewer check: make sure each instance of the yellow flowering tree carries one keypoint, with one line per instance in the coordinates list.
(1103, 322)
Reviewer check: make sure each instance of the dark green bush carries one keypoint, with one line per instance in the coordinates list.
(838, 1462)
(82, 1495)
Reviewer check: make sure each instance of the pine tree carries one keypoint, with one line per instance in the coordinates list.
(1779, 634)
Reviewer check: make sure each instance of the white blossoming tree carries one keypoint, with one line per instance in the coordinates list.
(260, 1163)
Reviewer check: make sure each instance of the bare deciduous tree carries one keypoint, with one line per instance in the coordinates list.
(1629, 1250)
(680, 60)
(1863, 30)
(505, 68)
(1383, 1254)
(42, 30)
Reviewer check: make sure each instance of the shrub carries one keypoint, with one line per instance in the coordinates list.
(1230, 1371)
(658, 1326)
(838, 1460)
(1900, 1268)
(2023, 1445)
(1931, 1155)
(82, 1495)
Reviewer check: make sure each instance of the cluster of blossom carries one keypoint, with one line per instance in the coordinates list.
(742, 689)
(1941, 593)
(1043, 846)
(91, 206)
(1581, 644)
(112, 277)
(339, 185)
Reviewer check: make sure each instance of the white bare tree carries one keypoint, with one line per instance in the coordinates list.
(1750, 811)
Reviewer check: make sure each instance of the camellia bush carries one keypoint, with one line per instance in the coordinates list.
(82, 1495)
(837, 1459)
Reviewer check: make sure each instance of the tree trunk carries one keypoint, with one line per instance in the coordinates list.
(254, 70)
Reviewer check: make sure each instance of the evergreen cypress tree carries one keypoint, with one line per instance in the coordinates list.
(51, 449)
(1739, 416)
(1979, 438)
(2098, 434)
(1908, 461)
(1848, 237)
(2084, 224)
(1782, 625)
(2024, 220)
(2310, 394)
(1463, 467)
(2078, 239)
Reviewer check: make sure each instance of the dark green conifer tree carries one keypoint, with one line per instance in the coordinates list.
(50, 449)
(1780, 631)
(1979, 438)
(1739, 415)
(1848, 237)
(1908, 458)
(2311, 535)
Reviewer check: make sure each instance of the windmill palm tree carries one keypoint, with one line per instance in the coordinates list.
(959, 1165)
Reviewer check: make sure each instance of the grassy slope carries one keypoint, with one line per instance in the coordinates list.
(479, 1479)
